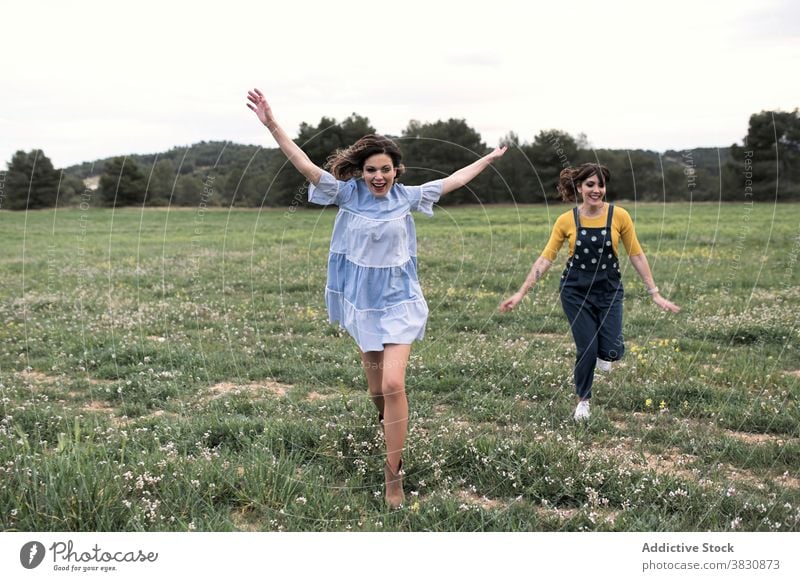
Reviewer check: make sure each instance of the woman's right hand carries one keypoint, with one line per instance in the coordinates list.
(511, 302)
(260, 106)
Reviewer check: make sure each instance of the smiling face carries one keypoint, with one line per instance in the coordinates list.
(379, 174)
(593, 192)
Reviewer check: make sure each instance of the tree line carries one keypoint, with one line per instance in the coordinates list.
(766, 166)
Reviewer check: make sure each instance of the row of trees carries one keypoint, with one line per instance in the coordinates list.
(765, 167)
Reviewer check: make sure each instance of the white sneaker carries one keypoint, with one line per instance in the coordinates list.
(603, 365)
(582, 412)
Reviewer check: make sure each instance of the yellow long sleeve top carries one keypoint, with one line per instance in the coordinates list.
(621, 228)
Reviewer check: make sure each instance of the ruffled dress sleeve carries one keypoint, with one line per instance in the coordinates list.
(330, 191)
(422, 198)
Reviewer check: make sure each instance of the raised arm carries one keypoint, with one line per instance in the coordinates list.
(297, 156)
(538, 269)
(466, 174)
(639, 262)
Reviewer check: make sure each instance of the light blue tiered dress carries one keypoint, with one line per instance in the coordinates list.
(373, 290)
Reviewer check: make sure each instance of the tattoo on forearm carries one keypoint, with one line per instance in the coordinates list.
(537, 275)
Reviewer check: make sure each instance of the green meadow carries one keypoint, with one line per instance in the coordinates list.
(173, 370)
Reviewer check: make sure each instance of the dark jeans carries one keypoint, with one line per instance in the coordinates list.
(594, 312)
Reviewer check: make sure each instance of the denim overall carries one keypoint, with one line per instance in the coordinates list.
(591, 295)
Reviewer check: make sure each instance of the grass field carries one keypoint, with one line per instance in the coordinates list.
(175, 370)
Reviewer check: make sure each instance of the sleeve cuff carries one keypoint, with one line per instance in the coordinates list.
(431, 192)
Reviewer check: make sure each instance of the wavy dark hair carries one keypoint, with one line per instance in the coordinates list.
(349, 162)
(571, 178)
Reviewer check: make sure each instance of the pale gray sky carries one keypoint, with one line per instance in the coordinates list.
(90, 79)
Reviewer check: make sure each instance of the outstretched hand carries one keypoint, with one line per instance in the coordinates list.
(259, 105)
(497, 153)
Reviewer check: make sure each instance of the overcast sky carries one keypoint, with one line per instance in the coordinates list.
(89, 79)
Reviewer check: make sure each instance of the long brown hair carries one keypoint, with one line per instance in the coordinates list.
(348, 162)
(571, 178)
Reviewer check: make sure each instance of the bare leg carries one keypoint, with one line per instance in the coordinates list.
(395, 360)
(372, 361)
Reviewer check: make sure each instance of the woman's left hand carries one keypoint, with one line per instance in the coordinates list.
(665, 304)
(497, 153)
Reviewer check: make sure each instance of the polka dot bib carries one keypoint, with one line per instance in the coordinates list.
(594, 255)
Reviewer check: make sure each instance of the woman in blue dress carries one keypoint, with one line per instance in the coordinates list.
(372, 289)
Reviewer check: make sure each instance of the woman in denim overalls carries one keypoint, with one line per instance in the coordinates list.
(591, 288)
